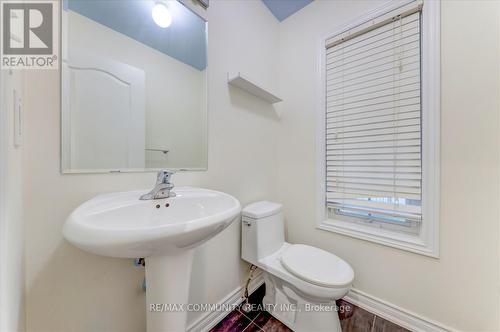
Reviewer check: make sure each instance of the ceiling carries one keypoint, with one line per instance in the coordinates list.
(184, 40)
(282, 9)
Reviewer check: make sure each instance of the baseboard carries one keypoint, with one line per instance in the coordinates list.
(395, 314)
(381, 308)
(210, 319)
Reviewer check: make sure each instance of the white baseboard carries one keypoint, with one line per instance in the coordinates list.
(381, 308)
(210, 319)
(395, 314)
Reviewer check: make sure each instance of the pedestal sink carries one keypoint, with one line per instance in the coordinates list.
(164, 231)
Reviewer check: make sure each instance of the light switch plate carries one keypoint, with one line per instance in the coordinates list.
(18, 119)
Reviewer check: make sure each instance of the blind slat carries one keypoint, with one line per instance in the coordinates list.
(378, 105)
(373, 163)
(408, 43)
(331, 134)
(372, 121)
(375, 182)
(373, 176)
(364, 193)
(361, 198)
(374, 80)
(382, 138)
(379, 170)
(408, 48)
(402, 110)
(374, 67)
(379, 72)
(387, 83)
(373, 151)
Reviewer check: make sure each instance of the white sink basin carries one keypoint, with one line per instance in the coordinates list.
(164, 231)
(121, 225)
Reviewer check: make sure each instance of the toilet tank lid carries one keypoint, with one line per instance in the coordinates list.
(261, 209)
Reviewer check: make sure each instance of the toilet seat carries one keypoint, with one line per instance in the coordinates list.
(316, 266)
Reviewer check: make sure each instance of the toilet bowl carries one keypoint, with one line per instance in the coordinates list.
(302, 282)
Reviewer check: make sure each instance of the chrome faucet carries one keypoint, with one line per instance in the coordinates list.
(163, 187)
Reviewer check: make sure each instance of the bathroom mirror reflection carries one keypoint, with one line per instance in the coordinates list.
(133, 86)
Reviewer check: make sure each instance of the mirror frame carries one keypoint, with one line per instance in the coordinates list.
(197, 10)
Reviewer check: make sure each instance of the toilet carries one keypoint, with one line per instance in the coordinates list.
(302, 282)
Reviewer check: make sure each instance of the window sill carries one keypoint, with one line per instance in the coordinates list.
(407, 242)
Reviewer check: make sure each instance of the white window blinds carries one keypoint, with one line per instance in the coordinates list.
(373, 120)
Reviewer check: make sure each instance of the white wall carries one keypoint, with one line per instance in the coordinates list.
(11, 219)
(175, 92)
(461, 288)
(71, 290)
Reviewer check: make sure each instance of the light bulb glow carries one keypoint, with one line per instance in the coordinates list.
(161, 15)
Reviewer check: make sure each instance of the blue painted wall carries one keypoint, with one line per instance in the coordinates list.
(284, 8)
(184, 40)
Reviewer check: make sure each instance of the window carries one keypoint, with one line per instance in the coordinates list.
(379, 128)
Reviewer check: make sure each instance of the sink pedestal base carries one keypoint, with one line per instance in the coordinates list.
(167, 291)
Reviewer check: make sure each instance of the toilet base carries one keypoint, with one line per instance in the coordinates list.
(298, 312)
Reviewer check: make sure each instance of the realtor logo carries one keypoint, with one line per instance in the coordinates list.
(29, 34)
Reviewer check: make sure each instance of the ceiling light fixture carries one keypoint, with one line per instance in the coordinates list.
(161, 14)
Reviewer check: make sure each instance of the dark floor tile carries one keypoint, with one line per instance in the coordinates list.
(270, 324)
(255, 300)
(253, 328)
(252, 313)
(382, 325)
(353, 318)
(262, 319)
(345, 309)
(234, 322)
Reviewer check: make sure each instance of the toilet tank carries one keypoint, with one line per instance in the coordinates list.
(262, 230)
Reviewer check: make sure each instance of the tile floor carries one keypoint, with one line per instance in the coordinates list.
(352, 319)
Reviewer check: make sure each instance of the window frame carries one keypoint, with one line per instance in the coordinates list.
(426, 242)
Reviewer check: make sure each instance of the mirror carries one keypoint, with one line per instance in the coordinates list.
(133, 86)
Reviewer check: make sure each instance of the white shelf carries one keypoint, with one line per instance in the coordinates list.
(244, 83)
